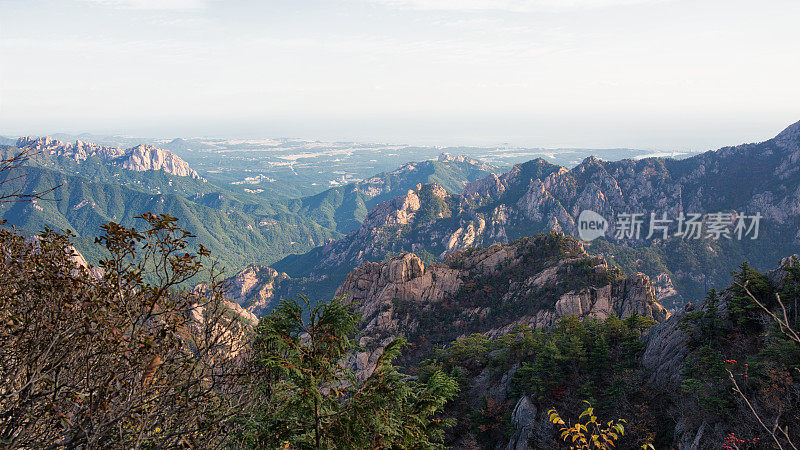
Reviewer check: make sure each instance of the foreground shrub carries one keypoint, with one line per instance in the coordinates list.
(126, 356)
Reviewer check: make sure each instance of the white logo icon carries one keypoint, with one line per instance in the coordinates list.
(591, 225)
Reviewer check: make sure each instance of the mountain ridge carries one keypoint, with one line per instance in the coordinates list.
(537, 196)
(139, 158)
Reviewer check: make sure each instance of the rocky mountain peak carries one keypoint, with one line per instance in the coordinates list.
(400, 210)
(464, 159)
(789, 138)
(590, 164)
(435, 190)
(489, 187)
(789, 141)
(146, 157)
(139, 159)
(445, 157)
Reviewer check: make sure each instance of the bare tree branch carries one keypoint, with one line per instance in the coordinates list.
(783, 323)
(7, 166)
(786, 330)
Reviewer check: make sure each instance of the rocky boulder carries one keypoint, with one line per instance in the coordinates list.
(253, 288)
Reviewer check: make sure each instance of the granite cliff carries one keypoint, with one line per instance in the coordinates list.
(254, 289)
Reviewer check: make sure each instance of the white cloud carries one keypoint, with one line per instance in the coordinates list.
(510, 5)
(151, 4)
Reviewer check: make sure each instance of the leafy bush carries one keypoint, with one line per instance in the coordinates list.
(592, 433)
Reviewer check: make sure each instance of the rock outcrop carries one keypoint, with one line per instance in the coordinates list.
(534, 282)
(375, 285)
(464, 159)
(146, 157)
(254, 289)
(531, 426)
(665, 351)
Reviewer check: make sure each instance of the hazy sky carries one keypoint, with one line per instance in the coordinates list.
(595, 73)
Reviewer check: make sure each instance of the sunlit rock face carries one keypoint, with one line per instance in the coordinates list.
(254, 289)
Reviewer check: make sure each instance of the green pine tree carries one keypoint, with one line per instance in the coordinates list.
(311, 399)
